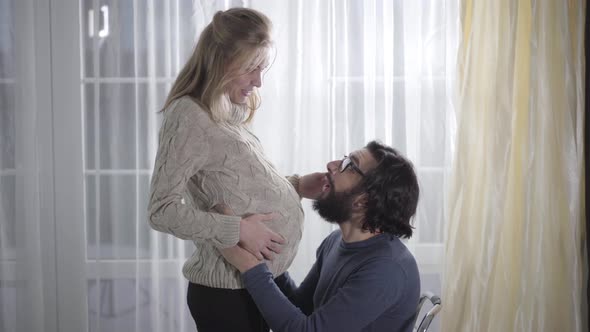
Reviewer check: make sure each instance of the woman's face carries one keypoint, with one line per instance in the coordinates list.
(242, 86)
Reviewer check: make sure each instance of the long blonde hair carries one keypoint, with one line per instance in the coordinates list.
(238, 38)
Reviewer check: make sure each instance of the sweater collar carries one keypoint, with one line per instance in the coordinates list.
(366, 243)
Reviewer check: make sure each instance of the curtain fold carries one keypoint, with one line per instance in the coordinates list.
(29, 294)
(515, 237)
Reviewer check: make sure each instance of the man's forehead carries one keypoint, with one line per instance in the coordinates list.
(363, 159)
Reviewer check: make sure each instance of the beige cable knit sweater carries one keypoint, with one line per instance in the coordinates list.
(200, 164)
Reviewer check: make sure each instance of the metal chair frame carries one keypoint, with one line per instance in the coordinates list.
(429, 316)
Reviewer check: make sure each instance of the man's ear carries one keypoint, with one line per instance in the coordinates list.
(359, 202)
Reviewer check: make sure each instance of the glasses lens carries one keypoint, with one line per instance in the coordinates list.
(344, 164)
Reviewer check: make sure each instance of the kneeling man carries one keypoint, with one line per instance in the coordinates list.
(364, 278)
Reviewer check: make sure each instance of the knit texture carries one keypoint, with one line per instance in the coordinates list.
(200, 164)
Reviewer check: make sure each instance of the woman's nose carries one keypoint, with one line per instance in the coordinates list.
(257, 78)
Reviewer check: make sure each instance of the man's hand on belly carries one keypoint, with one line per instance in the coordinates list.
(239, 258)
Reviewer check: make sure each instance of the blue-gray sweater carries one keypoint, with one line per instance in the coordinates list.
(371, 285)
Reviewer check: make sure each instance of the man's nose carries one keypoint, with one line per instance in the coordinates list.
(333, 166)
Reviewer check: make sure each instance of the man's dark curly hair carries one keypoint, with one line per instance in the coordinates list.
(392, 192)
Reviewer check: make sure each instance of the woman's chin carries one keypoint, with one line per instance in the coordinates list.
(239, 101)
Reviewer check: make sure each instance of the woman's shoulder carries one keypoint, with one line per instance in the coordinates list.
(187, 109)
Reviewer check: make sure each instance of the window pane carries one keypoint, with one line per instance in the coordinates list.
(429, 220)
(118, 212)
(351, 116)
(6, 39)
(90, 118)
(88, 29)
(434, 30)
(125, 304)
(432, 124)
(165, 34)
(115, 209)
(171, 305)
(7, 138)
(7, 126)
(7, 217)
(118, 126)
(116, 49)
(8, 287)
(348, 39)
(110, 126)
(122, 123)
(91, 215)
(113, 304)
(8, 303)
(152, 39)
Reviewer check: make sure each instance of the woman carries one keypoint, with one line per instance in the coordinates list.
(212, 183)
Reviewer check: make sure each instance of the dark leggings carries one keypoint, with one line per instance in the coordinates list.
(224, 310)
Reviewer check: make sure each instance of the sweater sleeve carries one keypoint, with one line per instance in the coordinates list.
(366, 294)
(294, 180)
(182, 152)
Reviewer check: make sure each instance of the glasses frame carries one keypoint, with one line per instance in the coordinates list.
(346, 162)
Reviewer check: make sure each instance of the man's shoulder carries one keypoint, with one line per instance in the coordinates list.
(399, 253)
(336, 235)
(329, 241)
(392, 251)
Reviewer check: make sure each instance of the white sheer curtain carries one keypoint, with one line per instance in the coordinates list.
(24, 288)
(345, 72)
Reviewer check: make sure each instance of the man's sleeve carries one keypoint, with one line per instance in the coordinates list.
(366, 294)
(302, 296)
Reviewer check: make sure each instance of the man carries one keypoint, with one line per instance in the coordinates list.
(364, 279)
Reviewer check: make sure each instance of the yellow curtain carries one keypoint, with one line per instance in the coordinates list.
(515, 237)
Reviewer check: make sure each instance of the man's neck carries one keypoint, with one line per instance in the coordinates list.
(352, 232)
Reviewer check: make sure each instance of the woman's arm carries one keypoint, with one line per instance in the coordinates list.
(183, 151)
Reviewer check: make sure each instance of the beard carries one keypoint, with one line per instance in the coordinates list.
(336, 208)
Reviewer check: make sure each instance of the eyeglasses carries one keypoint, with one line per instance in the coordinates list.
(346, 163)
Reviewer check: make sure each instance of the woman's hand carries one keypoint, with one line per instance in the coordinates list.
(258, 239)
(310, 185)
(255, 237)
